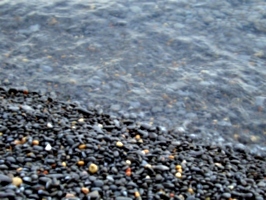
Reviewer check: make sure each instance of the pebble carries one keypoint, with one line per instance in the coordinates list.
(226, 195)
(93, 195)
(5, 180)
(119, 144)
(98, 183)
(123, 198)
(17, 181)
(93, 168)
(85, 190)
(48, 147)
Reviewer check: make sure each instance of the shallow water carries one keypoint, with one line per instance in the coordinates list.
(197, 67)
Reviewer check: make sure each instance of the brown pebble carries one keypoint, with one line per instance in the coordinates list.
(179, 168)
(17, 181)
(82, 146)
(93, 168)
(16, 142)
(35, 142)
(137, 137)
(171, 157)
(85, 190)
(137, 194)
(80, 163)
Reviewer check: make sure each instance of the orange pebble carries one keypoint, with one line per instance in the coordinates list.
(137, 137)
(171, 157)
(80, 163)
(17, 142)
(128, 172)
(82, 146)
(137, 194)
(35, 142)
(85, 190)
(146, 151)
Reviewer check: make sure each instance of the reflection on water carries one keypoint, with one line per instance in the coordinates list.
(180, 64)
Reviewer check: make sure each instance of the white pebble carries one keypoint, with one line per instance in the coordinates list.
(48, 147)
(49, 125)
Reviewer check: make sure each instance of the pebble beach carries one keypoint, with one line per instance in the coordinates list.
(132, 100)
(52, 149)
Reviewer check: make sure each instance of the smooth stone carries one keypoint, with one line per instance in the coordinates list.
(161, 167)
(8, 195)
(123, 198)
(5, 180)
(226, 195)
(98, 183)
(94, 195)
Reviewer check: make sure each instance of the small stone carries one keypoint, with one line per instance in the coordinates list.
(98, 183)
(128, 162)
(123, 198)
(93, 168)
(49, 125)
(226, 195)
(262, 183)
(178, 175)
(81, 120)
(119, 144)
(80, 163)
(35, 142)
(161, 167)
(137, 194)
(145, 151)
(69, 195)
(94, 195)
(231, 187)
(5, 180)
(85, 190)
(137, 137)
(82, 146)
(17, 181)
(48, 147)
(190, 190)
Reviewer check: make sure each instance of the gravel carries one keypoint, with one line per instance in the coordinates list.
(59, 150)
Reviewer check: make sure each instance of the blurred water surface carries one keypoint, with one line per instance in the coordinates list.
(195, 66)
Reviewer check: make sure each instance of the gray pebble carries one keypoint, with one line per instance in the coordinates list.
(98, 183)
(5, 180)
(226, 195)
(123, 198)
